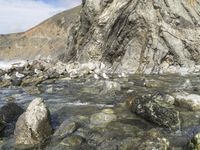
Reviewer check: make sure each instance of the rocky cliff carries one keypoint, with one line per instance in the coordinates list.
(135, 36)
(46, 39)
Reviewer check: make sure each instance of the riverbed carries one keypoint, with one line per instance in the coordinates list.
(80, 98)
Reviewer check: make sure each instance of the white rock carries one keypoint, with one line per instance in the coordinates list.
(7, 77)
(186, 100)
(111, 86)
(96, 76)
(105, 76)
(19, 75)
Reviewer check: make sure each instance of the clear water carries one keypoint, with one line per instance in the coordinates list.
(84, 97)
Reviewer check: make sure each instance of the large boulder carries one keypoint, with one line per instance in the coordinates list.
(155, 111)
(33, 126)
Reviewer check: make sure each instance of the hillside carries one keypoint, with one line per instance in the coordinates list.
(47, 38)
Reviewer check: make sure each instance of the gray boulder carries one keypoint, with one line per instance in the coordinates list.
(33, 126)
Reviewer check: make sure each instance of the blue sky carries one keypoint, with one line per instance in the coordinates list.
(20, 15)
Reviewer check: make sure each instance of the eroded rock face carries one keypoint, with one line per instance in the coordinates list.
(137, 36)
(33, 126)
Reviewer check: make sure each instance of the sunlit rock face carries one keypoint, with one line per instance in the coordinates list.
(137, 36)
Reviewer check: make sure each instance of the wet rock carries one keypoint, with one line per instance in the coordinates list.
(194, 143)
(110, 86)
(72, 142)
(155, 111)
(32, 81)
(32, 90)
(9, 113)
(164, 98)
(49, 90)
(153, 140)
(66, 128)
(33, 126)
(188, 101)
(5, 83)
(16, 81)
(103, 118)
(2, 72)
(153, 83)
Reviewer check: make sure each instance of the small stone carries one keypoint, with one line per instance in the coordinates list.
(32, 90)
(111, 86)
(32, 81)
(103, 118)
(154, 83)
(72, 141)
(153, 140)
(66, 128)
(49, 90)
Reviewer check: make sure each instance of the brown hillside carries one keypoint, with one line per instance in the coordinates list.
(47, 38)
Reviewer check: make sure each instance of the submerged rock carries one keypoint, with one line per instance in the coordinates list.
(103, 118)
(188, 101)
(154, 83)
(153, 140)
(9, 113)
(194, 143)
(111, 86)
(164, 98)
(66, 128)
(72, 142)
(157, 112)
(33, 126)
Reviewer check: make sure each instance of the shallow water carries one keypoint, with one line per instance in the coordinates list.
(68, 99)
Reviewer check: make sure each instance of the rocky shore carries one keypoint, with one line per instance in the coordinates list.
(82, 107)
(124, 75)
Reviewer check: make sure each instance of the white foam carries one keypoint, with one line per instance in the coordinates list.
(78, 103)
(8, 64)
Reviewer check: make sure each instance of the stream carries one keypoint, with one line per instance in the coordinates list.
(78, 99)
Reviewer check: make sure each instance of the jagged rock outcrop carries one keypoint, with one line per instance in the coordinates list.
(47, 39)
(134, 36)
